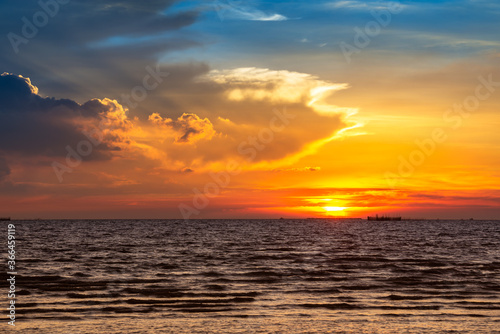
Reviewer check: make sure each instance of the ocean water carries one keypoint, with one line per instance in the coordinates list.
(256, 276)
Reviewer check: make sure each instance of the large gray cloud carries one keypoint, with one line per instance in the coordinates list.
(93, 48)
(31, 125)
(86, 21)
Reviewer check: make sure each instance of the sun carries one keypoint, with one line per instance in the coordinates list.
(334, 208)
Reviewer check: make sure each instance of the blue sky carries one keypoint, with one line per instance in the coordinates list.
(448, 28)
(234, 33)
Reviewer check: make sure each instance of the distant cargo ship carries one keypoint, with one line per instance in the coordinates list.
(384, 218)
(4, 218)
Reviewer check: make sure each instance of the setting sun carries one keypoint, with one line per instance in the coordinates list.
(333, 208)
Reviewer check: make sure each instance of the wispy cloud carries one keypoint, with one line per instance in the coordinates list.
(298, 169)
(238, 10)
(360, 5)
(434, 40)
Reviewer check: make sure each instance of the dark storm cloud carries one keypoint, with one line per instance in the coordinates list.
(93, 48)
(31, 125)
(85, 21)
(18, 95)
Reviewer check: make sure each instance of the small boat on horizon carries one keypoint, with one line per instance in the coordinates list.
(384, 218)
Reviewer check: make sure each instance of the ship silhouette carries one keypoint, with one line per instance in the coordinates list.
(384, 218)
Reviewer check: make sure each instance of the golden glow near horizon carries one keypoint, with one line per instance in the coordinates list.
(333, 208)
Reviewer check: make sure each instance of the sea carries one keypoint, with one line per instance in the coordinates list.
(254, 276)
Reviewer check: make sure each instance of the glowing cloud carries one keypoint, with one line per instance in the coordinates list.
(261, 84)
(190, 127)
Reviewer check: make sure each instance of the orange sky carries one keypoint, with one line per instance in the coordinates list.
(299, 154)
(270, 128)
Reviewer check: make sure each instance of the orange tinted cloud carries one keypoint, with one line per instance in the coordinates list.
(190, 127)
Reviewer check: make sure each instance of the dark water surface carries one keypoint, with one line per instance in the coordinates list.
(257, 276)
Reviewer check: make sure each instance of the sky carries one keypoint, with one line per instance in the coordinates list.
(249, 109)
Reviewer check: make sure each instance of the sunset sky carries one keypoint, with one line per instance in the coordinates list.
(249, 109)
